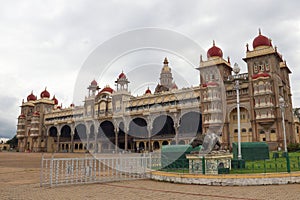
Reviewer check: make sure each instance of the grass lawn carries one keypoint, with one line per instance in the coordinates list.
(271, 165)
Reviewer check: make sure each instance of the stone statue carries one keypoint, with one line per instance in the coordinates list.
(210, 141)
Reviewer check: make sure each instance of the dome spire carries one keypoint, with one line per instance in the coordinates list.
(214, 43)
(166, 61)
(259, 31)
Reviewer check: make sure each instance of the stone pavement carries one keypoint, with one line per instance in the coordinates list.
(19, 177)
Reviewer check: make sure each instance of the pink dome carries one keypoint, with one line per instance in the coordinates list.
(94, 83)
(148, 91)
(31, 97)
(55, 100)
(45, 94)
(214, 51)
(261, 40)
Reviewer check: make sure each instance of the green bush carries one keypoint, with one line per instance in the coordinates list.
(292, 147)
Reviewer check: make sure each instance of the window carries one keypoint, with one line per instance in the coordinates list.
(235, 130)
(262, 132)
(267, 66)
(250, 130)
(261, 68)
(244, 130)
(273, 131)
(255, 68)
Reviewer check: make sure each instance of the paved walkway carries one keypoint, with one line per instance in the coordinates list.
(19, 177)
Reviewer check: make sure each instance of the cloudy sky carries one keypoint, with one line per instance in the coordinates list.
(46, 43)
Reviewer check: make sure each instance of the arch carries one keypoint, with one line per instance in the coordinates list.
(107, 131)
(163, 126)
(80, 146)
(173, 142)
(273, 131)
(52, 132)
(190, 124)
(121, 135)
(233, 108)
(138, 128)
(244, 130)
(156, 145)
(80, 132)
(141, 146)
(65, 134)
(165, 142)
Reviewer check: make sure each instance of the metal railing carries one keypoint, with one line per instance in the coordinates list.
(66, 171)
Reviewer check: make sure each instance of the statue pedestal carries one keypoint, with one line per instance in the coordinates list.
(212, 163)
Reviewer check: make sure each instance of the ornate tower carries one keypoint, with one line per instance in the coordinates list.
(89, 103)
(121, 96)
(166, 78)
(212, 72)
(269, 80)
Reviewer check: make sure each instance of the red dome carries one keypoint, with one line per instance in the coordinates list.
(122, 75)
(107, 89)
(45, 94)
(148, 91)
(55, 100)
(94, 82)
(261, 40)
(214, 51)
(31, 97)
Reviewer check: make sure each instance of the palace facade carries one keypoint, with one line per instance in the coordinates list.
(113, 120)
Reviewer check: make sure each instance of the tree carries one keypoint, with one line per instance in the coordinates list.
(13, 142)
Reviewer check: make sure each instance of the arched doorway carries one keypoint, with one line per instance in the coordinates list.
(156, 145)
(163, 127)
(190, 125)
(65, 138)
(107, 136)
(138, 128)
(52, 145)
(121, 136)
(137, 131)
(80, 133)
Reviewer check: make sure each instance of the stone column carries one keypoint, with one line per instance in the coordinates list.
(88, 132)
(58, 143)
(72, 141)
(126, 137)
(176, 128)
(116, 139)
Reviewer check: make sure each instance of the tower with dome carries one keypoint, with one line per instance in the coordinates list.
(114, 119)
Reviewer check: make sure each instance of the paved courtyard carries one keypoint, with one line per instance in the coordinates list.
(19, 177)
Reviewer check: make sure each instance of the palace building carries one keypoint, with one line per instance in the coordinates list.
(113, 120)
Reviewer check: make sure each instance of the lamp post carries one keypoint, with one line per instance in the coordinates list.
(282, 107)
(236, 70)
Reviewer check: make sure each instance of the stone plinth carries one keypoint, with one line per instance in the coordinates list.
(212, 162)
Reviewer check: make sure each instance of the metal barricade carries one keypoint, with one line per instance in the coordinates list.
(66, 171)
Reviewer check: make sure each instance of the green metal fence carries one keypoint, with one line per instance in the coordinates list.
(274, 164)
